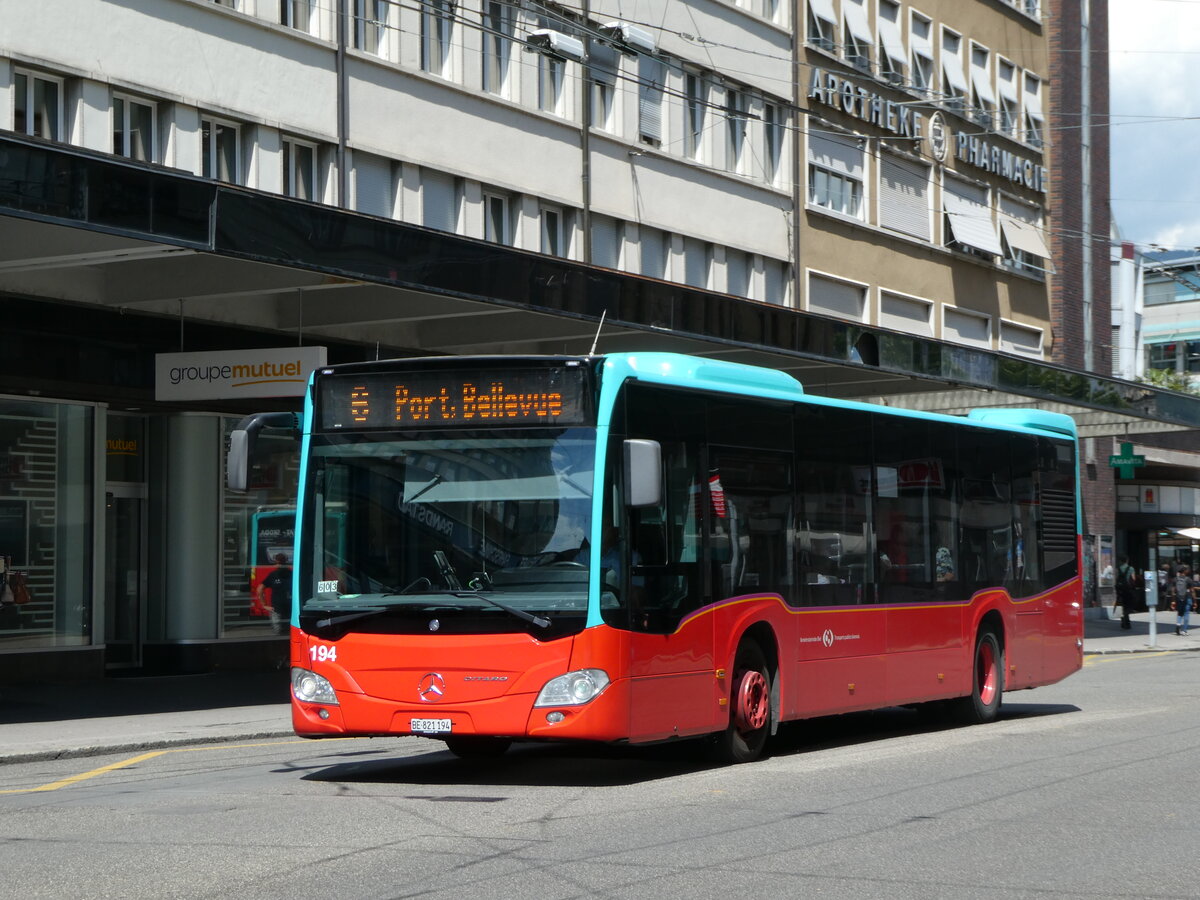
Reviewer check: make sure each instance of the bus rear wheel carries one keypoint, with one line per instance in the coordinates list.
(987, 682)
(477, 747)
(750, 713)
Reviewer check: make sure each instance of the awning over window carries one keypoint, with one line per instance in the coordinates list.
(972, 224)
(856, 21)
(1024, 236)
(893, 43)
(823, 9)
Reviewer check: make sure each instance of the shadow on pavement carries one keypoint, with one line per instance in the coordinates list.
(583, 765)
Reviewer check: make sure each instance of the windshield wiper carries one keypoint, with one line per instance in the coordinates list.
(349, 617)
(539, 621)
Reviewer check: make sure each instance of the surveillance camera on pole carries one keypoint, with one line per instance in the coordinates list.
(557, 44)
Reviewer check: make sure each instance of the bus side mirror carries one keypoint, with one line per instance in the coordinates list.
(242, 440)
(643, 473)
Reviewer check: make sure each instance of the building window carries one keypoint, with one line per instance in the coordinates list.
(969, 226)
(954, 82)
(551, 75)
(963, 327)
(607, 241)
(857, 39)
(1007, 104)
(904, 197)
(370, 26)
(737, 107)
(497, 219)
(835, 174)
(134, 133)
(773, 127)
(822, 25)
(905, 314)
(439, 201)
(921, 53)
(37, 105)
(737, 273)
(602, 66)
(655, 247)
(983, 100)
(47, 510)
(1020, 339)
(1034, 121)
(776, 280)
(697, 262)
(299, 14)
(497, 46)
(1024, 239)
(437, 32)
(1161, 356)
(553, 243)
(695, 103)
(833, 297)
(650, 92)
(220, 150)
(299, 169)
(892, 57)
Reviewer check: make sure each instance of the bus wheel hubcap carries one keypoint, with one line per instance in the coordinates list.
(987, 674)
(753, 702)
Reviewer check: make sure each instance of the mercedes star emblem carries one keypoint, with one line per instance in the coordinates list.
(431, 688)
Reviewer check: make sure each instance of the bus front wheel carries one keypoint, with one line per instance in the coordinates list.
(750, 713)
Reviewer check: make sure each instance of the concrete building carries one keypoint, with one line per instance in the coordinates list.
(861, 192)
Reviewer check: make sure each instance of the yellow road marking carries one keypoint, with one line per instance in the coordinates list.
(1090, 658)
(133, 761)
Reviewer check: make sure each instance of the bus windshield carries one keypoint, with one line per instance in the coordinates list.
(486, 531)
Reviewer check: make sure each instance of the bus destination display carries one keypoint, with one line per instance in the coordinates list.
(481, 397)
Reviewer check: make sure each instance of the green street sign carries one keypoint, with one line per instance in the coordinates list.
(1126, 461)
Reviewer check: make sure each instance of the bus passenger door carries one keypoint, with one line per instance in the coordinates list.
(673, 688)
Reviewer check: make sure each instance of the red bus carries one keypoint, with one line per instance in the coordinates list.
(649, 547)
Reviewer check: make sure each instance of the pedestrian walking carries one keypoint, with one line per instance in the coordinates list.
(1183, 599)
(1125, 592)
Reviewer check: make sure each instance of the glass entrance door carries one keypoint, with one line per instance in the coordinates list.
(124, 576)
(125, 541)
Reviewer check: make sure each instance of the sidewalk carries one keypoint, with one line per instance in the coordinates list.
(130, 715)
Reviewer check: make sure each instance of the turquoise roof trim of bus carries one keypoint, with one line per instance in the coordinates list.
(706, 374)
(1037, 419)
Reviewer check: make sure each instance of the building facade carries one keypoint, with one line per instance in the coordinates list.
(865, 193)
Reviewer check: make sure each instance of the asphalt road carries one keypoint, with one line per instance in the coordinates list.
(1083, 789)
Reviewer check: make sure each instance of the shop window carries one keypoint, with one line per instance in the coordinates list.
(46, 521)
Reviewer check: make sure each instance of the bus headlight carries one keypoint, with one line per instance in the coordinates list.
(573, 689)
(309, 687)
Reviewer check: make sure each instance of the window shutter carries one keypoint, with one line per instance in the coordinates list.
(605, 251)
(839, 152)
(904, 198)
(650, 93)
(373, 190)
(737, 273)
(438, 201)
(653, 249)
(835, 298)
